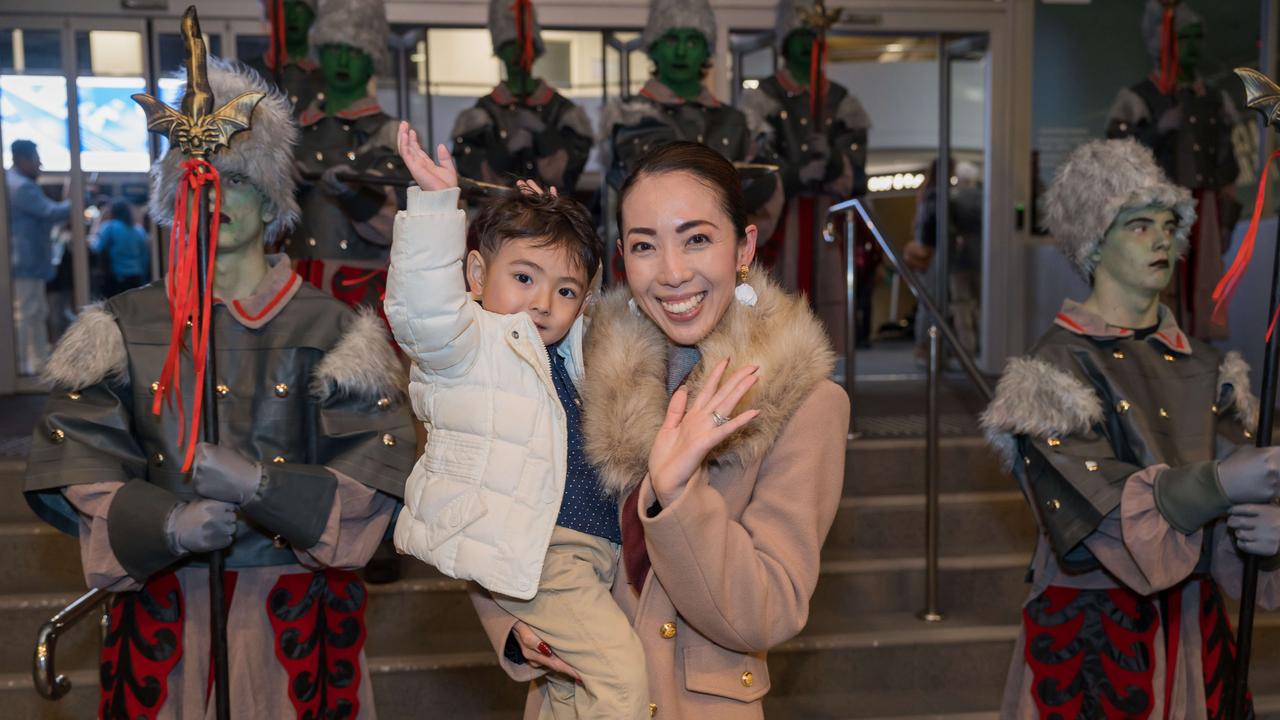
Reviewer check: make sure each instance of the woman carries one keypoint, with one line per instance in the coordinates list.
(709, 412)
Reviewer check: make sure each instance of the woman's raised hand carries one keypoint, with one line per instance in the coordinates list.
(693, 428)
(429, 174)
(531, 187)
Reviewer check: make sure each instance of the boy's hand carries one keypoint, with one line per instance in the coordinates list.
(426, 172)
(531, 187)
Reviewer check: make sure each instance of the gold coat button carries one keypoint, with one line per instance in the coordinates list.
(1054, 505)
(1248, 434)
(351, 155)
(278, 459)
(157, 459)
(73, 395)
(1164, 413)
(282, 390)
(1117, 354)
(279, 542)
(748, 679)
(1213, 409)
(389, 440)
(668, 630)
(155, 388)
(384, 403)
(1169, 358)
(1091, 466)
(57, 436)
(1123, 406)
(223, 390)
(1054, 442)
(653, 709)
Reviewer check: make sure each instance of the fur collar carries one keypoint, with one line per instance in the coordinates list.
(1234, 390)
(90, 351)
(1037, 399)
(625, 392)
(362, 363)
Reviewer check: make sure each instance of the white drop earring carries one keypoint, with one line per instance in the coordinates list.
(635, 309)
(744, 293)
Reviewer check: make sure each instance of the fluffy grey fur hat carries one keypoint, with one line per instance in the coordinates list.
(666, 15)
(1153, 23)
(362, 24)
(502, 25)
(263, 153)
(1098, 181)
(788, 20)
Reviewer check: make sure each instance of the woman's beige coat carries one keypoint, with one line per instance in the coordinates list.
(736, 557)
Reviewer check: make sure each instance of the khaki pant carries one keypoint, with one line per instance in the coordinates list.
(575, 614)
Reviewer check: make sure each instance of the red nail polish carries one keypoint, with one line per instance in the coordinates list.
(544, 648)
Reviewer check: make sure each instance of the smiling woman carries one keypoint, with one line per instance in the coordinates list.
(708, 413)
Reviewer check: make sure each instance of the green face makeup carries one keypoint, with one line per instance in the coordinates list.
(297, 23)
(797, 51)
(244, 216)
(346, 71)
(1190, 44)
(1138, 253)
(680, 55)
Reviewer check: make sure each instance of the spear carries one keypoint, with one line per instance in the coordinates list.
(1263, 95)
(200, 132)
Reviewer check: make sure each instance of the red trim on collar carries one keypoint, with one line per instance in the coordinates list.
(541, 96)
(1178, 342)
(360, 108)
(289, 287)
(704, 98)
(312, 115)
(1072, 325)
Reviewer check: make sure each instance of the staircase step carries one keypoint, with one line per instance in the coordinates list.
(21, 617)
(13, 507)
(39, 559)
(968, 523)
(894, 466)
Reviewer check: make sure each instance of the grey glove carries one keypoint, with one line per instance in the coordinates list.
(330, 183)
(220, 473)
(1251, 475)
(200, 526)
(1257, 528)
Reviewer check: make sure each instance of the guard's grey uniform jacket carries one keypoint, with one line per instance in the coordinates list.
(299, 80)
(490, 143)
(342, 242)
(1091, 421)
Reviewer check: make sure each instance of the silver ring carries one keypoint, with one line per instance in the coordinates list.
(718, 419)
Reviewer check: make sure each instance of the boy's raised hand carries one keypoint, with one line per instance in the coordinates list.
(429, 174)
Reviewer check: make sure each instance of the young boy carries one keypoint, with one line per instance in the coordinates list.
(503, 494)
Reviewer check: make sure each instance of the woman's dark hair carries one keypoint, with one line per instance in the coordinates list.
(700, 161)
(121, 210)
(553, 221)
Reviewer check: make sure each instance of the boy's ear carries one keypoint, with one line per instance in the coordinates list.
(475, 273)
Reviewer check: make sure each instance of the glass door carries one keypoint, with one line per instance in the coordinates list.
(35, 272)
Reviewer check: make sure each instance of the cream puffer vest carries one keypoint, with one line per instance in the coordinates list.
(483, 499)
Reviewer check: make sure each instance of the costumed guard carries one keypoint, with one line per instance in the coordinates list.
(315, 444)
(1187, 124)
(1131, 442)
(298, 76)
(523, 129)
(680, 39)
(342, 245)
(819, 142)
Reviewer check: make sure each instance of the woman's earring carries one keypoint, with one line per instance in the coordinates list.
(744, 293)
(631, 304)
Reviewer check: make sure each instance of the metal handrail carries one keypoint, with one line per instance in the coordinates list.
(48, 682)
(922, 295)
(937, 326)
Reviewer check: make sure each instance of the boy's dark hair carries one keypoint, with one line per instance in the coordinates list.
(560, 222)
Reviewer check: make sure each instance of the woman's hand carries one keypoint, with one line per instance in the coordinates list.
(426, 172)
(539, 654)
(692, 430)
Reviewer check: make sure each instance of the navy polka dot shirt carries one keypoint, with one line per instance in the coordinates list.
(585, 507)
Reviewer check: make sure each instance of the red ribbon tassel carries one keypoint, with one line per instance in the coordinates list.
(1168, 80)
(187, 308)
(524, 32)
(817, 80)
(276, 46)
(1226, 287)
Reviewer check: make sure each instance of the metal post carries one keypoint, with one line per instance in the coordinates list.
(850, 312)
(931, 613)
(942, 185)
